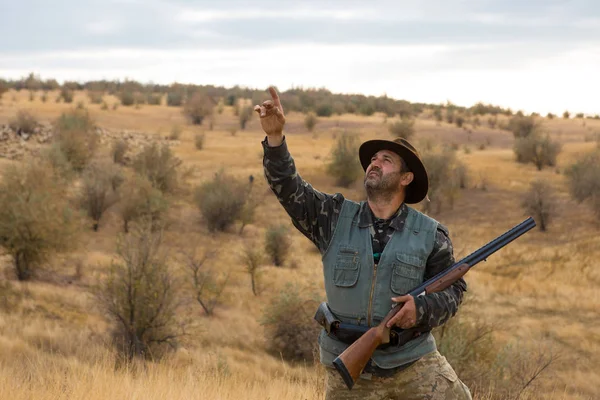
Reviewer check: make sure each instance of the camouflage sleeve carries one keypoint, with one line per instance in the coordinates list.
(436, 308)
(314, 213)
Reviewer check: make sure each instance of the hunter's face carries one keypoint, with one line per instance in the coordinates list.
(385, 172)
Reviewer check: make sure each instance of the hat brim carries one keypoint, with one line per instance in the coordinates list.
(417, 190)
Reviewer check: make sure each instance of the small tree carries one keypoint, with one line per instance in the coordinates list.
(447, 175)
(541, 151)
(248, 212)
(160, 166)
(174, 99)
(344, 165)
(66, 95)
(199, 141)
(277, 244)
(98, 189)
(118, 150)
(95, 97)
(197, 108)
(24, 122)
(289, 331)
(140, 294)
(566, 115)
(127, 98)
(221, 201)
(522, 126)
(252, 258)
(540, 202)
(75, 135)
(404, 128)
(140, 201)
(36, 220)
(245, 116)
(310, 121)
(584, 180)
(208, 286)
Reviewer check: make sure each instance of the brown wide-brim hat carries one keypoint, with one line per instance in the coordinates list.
(417, 190)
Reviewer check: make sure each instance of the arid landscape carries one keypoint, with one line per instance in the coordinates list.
(531, 311)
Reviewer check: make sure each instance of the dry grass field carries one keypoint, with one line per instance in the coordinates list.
(541, 290)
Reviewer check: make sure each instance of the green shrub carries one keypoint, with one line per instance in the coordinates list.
(154, 99)
(252, 258)
(540, 203)
(174, 99)
(245, 116)
(584, 180)
(310, 121)
(277, 244)
(95, 97)
(522, 126)
(75, 135)
(118, 150)
(345, 166)
(127, 98)
(491, 369)
(197, 108)
(199, 141)
(66, 95)
(141, 297)
(290, 332)
(140, 201)
(36, 219)
(537, 149)
(221, 201)
(176, 132)
(160, 166)
(447, 175)
(98, 189)
(24, 122)
(324, 110)
(404, 128)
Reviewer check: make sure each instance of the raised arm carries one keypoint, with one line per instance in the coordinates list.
(314, 213)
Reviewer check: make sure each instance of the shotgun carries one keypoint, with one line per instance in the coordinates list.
(353, 360)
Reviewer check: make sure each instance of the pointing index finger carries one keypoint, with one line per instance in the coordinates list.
(275, 98)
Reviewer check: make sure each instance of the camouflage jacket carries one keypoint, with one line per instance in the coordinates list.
(315, 214)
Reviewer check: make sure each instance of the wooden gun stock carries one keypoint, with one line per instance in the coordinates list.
(353, 360)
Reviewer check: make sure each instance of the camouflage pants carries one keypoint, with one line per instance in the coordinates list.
(430, 378)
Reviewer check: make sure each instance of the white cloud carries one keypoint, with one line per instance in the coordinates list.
(547, 84)
(103, 27)
(191, 15)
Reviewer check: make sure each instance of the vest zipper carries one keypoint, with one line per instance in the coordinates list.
(369, 310)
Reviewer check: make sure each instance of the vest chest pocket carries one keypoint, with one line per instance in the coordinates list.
(347, 263)
(408, 271)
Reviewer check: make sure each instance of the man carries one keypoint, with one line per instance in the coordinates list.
(373, 253)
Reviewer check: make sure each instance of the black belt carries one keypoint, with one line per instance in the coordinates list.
(348, 333)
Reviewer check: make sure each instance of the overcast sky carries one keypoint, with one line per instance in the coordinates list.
(531, 55)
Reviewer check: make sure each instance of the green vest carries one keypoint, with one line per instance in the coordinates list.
(360, 293)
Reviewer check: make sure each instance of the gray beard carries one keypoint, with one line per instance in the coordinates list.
(383, 189)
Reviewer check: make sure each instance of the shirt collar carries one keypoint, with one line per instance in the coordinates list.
(365, 218)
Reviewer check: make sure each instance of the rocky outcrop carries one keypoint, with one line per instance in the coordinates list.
(14, 145)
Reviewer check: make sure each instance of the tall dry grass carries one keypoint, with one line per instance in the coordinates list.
(55, 342)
